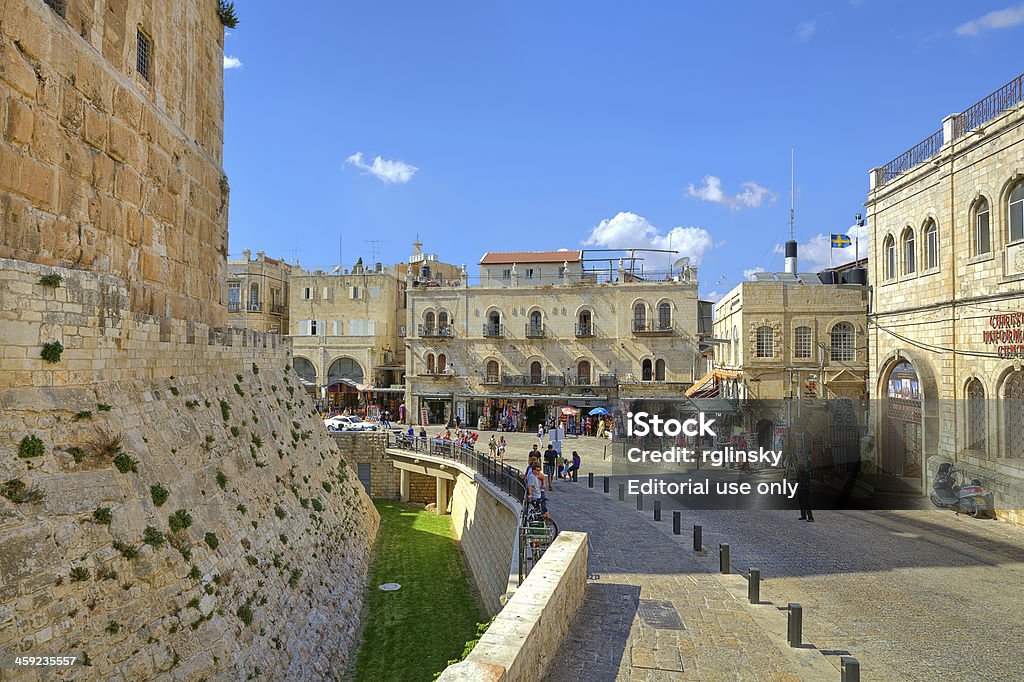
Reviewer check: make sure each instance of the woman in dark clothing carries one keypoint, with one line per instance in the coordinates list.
(803, 492)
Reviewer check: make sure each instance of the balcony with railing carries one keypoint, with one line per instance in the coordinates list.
(430, 332)
(494, 331)
(608, 381)
(535, 331)
(277, 309)
(254, 307)
(658, 328)
(584, 330)
(234, 306)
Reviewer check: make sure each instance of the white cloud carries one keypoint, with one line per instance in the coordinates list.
(714, 297)
(805, 30)
(751, 194)
(628, 230)
(390, 172)
(232, 62)
(749, 272)
(1000, 18)
(813, 255)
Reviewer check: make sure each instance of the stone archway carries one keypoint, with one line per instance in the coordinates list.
(907, 416)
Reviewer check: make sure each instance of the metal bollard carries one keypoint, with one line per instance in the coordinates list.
(795, 625)
(590, 479)
(639, 501)
(606, 485)
(657, 510)
(677, 523)
(754, 586)
(622, 492)
(698, 538)
(849, 669)
(723, 558)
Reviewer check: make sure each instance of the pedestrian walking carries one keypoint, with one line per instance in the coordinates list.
(550, 465)
(492, 445)
(574, 467)
(501, 448)
(803, 492)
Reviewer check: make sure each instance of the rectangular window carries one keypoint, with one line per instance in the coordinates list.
(328, 293)
(506, 273)
(313, 324)
(1016, 220)
(982, 237)
(802, 343)
(307, 293)
(339, 327)
(529, 273)
(355, 292)
(144, 56)
(234, 295)
(932, 247)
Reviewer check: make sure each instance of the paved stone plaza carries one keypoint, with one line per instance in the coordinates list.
(911, 594)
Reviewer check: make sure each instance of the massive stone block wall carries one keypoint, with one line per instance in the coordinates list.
(368, 448)
(266, 580)
(104, 170)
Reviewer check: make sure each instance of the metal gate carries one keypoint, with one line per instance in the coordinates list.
(902, 455)
(1014, 406)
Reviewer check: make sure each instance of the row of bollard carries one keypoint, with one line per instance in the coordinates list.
(849, 666)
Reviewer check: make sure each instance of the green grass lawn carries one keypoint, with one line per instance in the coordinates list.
(412, 633)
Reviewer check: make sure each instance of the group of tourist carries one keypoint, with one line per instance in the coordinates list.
(543, 468)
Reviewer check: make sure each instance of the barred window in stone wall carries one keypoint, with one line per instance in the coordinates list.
(492, 372)
(639, 317)
(647, 370)
(659, 370)
(664, 316)
(931, 245)
(976, 438)
(764, 346)
(982, 236)
(1014, 411)
(58, 6)
(143, 56)
(843, 343)
(1016, 212)
(909, 252)
(802, 343)
(889, 247)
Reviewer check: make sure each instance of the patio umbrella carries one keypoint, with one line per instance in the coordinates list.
(599, 410)
(570, 411)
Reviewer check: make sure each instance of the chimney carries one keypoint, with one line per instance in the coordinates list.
(791, 257)
(245, 255)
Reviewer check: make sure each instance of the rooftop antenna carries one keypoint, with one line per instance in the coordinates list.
(791, 244)
(375, 248)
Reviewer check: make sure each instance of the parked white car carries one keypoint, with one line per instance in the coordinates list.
(348, 423)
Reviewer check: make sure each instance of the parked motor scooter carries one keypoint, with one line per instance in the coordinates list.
(949, 493)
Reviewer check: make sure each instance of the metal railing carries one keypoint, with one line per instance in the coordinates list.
(505, 477)
(918, 154)
(652, 327)
(436, 332)
(989, 107)
(608, 381)
(234, 306)
(494, 331)
(277, 309)
(584, 330)
(535, 331)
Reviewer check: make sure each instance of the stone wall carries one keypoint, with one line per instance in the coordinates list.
(138, 422)
(523, 641)
(423, 489)
(368, 448)
(485, 522)
(105, 170)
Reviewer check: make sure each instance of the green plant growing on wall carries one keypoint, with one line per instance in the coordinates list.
(113, 628)
(255, 368)
(52, 351)
(194, 573)
(327, 486)
(235, 431)
(16, 491)
(106, 445)
(225, 409)
(257, 441)
(283, 538)
(127, 551)
(317, 504)
(179, 520)
(211, 540)
(103, 407)
(125, 463)
(241, 508)
(79, 574)
(293, 578)
(244, 614)
(31, 446)
(53, 280)
(279, 512)
(174, 391)
(222, 480)
(239, 391)
(102, 516)
(191, 404)
(77, 453)
(84, 414)
(208, 442)
(152, 536)
(159, 494)
(251, 560)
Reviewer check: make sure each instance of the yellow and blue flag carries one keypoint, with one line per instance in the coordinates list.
(840, 241)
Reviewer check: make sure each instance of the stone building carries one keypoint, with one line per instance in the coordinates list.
(946, 223)
(541, 331)
(791, 355)
(345, 330)
(258, 293)
(137, 487)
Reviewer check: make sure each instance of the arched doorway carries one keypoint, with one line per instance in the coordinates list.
(902, 441)
(307, 373)
(343, 376)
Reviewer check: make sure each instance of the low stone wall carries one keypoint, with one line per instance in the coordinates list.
(368, 448)
(525, 637)
(486, 523)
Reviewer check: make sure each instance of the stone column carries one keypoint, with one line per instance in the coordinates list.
(442, 495)
(403, 484)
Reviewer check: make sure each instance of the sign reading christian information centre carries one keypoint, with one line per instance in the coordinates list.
(1006, 332)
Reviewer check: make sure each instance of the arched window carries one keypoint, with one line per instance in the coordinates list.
(492, 372)
(843, 343)
(931, 245)
(430, 363)
(535, 369)
(585, 324)
(889, 251)
(664, 316)
(659, 370)
(428, 323)
(494, 317)
(639, 317)
(1013, 404)
(442, 319)
(982, 235)
(535, 327)
(535, 319)
(909, 252)
(1015, 212)
(583, 373)
(802, 343)
(765, 338)
(254, 296)
(646, 370)
(442, 362)
(976, 437)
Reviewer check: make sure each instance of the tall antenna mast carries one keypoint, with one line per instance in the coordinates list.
(791, 244)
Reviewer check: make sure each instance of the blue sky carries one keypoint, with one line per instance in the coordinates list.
(528, 125)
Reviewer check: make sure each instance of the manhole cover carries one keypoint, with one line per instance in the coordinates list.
(661, 615)
(389, 587)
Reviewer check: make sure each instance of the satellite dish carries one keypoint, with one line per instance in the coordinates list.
(336, 270)
(682, 262)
